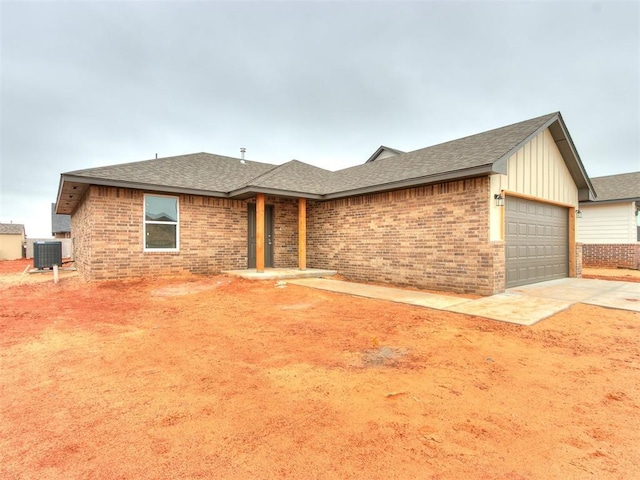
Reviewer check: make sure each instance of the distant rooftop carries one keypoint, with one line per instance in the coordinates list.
(11, 229)
(59, 223)
(625, 186)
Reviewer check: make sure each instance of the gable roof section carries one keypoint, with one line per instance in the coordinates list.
(215, 175)
(479, 154)
(293, 177)
(11, 229)
(624, 186)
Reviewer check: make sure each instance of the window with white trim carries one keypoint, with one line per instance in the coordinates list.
(161, 229)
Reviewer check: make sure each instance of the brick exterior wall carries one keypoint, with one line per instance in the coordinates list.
(433, 237)
(611, 255)
(82, 228)
(499, 266)
(108, 235)
(579, 259)
(285, 231)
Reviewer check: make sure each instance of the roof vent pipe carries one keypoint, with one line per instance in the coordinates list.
(242, 150)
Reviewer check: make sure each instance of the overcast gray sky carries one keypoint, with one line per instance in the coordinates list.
(86, 84)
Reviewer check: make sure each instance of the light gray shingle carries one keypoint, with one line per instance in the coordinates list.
(199, 171)
(457, 155)
(617, 187)
(11, 229)
(220, 174)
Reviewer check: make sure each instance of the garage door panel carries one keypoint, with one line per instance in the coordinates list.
(536, 235)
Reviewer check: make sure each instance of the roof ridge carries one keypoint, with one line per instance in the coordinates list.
(269, 173)
(548, 117)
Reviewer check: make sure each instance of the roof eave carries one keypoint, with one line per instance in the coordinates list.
(249, 191)
(565, 144)
(147, 186)
(415, 182)
(611, 200)
(72, 205)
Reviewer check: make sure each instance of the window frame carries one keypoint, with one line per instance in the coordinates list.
(145, 222)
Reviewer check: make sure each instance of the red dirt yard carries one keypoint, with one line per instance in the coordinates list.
(223, 378)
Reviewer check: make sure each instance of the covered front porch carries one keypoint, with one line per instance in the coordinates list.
(277, 240)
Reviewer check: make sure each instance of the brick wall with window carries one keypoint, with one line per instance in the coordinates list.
(108, 232)
(109, 235)
(434, 237)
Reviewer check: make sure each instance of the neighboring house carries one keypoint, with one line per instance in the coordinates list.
(12, 240)
(610, 226)
(60, 224)
(427, 218)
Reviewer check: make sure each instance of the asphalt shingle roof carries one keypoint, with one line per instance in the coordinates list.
(468, 152)
(617, 187)
(220, 174)
(11, 229)
(295, 176)
(198, 171)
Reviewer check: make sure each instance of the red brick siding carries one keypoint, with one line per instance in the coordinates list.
(499, 266)
(82, 226)
(108, 235)
(434, 237)
(611, 255)
(579, 256)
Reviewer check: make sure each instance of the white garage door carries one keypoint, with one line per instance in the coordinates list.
(537, 242)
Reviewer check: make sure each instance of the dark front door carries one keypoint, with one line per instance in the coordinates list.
(268, 236)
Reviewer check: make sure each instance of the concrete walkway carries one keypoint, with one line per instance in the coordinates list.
(525, 305)
(280, 273)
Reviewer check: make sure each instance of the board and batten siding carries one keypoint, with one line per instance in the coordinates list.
(608, 223)
(536, 169)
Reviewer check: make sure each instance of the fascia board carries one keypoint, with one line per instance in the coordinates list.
(142, 186)
(566, 146)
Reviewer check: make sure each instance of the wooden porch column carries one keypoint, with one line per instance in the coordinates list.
(260, 232)
(302, 233)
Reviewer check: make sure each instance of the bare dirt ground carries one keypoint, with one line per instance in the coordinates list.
(223, 378)
(16, 272)
(620, 274)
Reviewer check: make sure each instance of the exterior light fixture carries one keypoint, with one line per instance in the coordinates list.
(499, 200)
(578, 214)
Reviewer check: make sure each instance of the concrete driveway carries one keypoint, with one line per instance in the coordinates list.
(521, 305)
